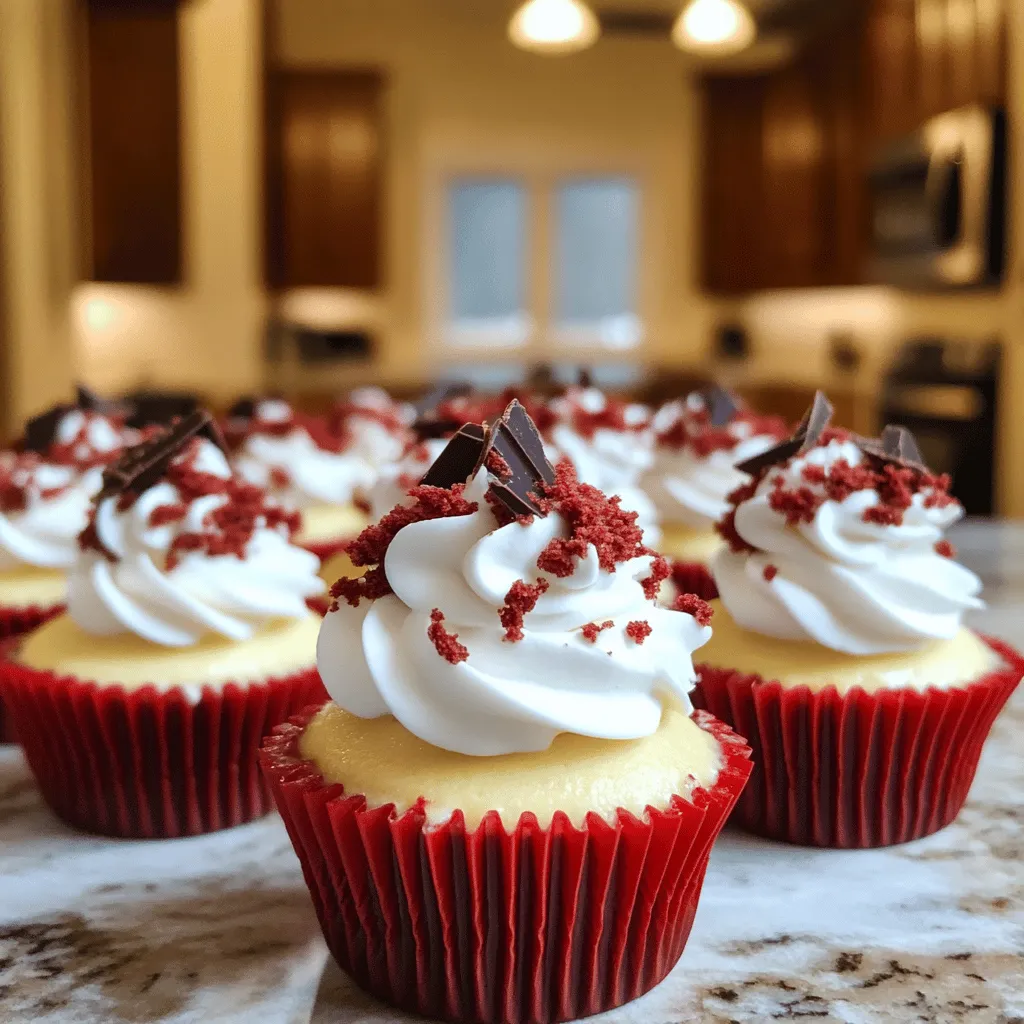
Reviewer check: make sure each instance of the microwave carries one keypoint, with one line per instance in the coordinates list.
(938, 203)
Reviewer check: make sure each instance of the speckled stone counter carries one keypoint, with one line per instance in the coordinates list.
(220, 928)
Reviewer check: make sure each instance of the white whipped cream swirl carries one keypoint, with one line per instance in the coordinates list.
(312, 475)
(854, 586)
(44, 533)
(691, 489)
(221, 594)
(506, 696)
(394, 482)
(609, 459)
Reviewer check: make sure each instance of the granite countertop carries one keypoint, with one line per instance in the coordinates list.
(220, 928)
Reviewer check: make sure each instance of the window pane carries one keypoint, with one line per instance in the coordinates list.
(595, 261)
(487, 242)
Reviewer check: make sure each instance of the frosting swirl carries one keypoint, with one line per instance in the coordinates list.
(198, 552)
(45, 496)
(476, 649)
(302, 460)
(693, 470)
(829, 548)
(609, 443)
(395, 481)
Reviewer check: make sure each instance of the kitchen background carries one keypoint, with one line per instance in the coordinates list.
(222, 196)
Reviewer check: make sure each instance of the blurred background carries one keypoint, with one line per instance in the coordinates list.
(302, 196)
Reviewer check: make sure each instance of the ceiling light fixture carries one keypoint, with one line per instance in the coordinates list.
(714, 27)
(554, 26)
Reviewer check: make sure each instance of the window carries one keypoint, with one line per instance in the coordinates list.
(487, 275)
(542, 263)
(595, 262)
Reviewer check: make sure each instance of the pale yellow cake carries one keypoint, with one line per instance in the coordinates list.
(687, 544)
(27, 586)
(380, 759)
(938, 663)
(321, 523)
(61, 646)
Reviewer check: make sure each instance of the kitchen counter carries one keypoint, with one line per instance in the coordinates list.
(220, 928)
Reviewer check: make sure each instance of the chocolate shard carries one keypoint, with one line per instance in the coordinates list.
(92, 401)
(144, 464)
(243, 409)
(157, 408)
(460, 459)
(806, 436)
(896, 447)
(526, 469)
(722, 405)
(41, 431)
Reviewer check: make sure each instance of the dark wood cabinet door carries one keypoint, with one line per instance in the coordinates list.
(732, 209)
(890, 72)
(990, 45)
(796, 191)
(933, 57)
(324, 168)
(133, 143)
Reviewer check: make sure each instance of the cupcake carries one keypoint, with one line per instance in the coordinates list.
(839, 648)
(609, 443)
(46, 485)
(697, 443)
(187, 637)
(506, 809)
(320, 465)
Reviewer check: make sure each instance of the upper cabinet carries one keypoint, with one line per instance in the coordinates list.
(132, 145)
(324, 179)
(786, 154)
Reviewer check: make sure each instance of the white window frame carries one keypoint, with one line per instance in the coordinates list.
(537, 338)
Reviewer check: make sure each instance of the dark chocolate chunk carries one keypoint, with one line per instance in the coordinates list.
(157, 408)
(243, 409)
(806, 436)
(515, 438)
(896, 447)
(144, 464)
(460, 459)
(92, 401)
(41, 430)
(722, 405)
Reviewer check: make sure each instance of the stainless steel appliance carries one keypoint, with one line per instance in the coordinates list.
(946, 391)
(938, 203)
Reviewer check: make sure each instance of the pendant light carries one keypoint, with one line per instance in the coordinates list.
(554, 26)
(714, 27)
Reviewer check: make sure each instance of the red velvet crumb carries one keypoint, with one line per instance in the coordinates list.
(521, 598)
(446, 644)
(691, 604)
(770, 572)
(798, 504)
(944, 548)
(164, 514)
(593, 518)
(660, 571)
(638, 630)
(591, 629)
(279, 478)
(497, 466)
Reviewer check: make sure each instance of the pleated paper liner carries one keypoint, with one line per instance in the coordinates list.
(857, 770)
(147, 763)
(483, 925)
(14, 622)
(694, 578)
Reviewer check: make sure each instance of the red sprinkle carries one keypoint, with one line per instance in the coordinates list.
(371, 546)
(591, 629)
(593, 518)
(522, 597)
(638, 630)
(691, 604)
(770, 572)
(446, 644)
(944, 548)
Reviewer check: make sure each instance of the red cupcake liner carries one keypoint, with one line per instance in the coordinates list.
(15, 622)
(538, 925)
(146, 763)
(857, 770)
(694, 578)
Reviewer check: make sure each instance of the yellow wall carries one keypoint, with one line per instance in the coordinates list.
(459, 92)
(35, 205)
(206, 334)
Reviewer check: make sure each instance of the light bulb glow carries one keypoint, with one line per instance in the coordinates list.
(718, 26)
(553, 26)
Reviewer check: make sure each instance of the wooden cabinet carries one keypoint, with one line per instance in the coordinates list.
(324, 179)
(133, 143)
(786, 154)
